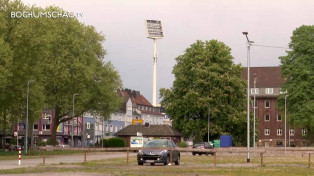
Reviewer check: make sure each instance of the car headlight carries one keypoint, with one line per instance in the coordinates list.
(140, 152)
(162, 152)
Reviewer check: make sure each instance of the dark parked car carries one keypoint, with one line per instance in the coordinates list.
(203, 145)
(153, 156)
(15, 147)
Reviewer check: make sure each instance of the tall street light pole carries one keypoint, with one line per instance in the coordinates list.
(249, 43)
(26, 129)
(208, 124)
(286, 122)
(102, 133)
(254, 106)
(72, 141)
(285, 92)
(154, 31)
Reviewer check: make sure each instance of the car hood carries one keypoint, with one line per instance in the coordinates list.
(151, 152)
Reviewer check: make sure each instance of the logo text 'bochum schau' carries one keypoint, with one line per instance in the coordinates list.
(48, 14)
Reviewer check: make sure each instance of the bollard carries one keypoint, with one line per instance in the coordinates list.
(309, 160)
(214, 159)
(262, 159)
(19, 156)
(44, 158)
(127, 157)
(85, 156)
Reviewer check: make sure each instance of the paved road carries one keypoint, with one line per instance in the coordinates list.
(57, 159)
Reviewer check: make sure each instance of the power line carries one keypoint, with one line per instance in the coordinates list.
(266, 46)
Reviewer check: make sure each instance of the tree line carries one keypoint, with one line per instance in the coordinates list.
(63, 56)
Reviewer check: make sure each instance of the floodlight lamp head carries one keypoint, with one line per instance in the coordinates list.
(154, 29)
(245, 33)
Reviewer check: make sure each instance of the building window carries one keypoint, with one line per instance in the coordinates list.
(254, 90)
(111, 128)
(267, 131)
(266, 144)
(303, 132)
(279, 132)
(46, 127)
(267, 117)
(88, 125)
(116, 129)
(291, 132)
(279, 118)
(269, 90)
(267, 104)
(46, 116)
(35, 127)
(279, 144)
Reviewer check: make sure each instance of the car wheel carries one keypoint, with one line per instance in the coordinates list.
(193, 153)
(199, 154)
(167, 161)
(178, 161)
(139, 163)
(152, 164)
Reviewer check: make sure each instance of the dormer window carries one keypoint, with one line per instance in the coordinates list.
(254, 90)
(269, 91)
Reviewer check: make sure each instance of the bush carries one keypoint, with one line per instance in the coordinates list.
(41, 143)
(182, 144)
(116, 142)
(104, 142)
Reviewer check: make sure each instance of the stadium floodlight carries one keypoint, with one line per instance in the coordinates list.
(154, 31)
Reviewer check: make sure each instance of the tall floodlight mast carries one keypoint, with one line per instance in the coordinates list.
(154, 31)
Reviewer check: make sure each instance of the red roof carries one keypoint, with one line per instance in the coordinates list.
(135, 96)
(267, 77)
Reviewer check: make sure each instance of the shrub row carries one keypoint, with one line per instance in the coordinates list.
(112, 142)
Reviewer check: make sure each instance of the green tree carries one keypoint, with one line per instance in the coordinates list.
(25, 49)
(297, 67)
(64, 57)
(206, 77)
(76, 66)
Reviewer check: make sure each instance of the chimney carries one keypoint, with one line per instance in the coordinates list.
(137, 93)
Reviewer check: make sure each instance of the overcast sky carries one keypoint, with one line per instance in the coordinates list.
(268, 22)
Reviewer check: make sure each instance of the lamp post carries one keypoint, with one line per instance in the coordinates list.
(26, 129)
(208, 124)
(285, 92)
(102, 128)
(285, 123)
(154, 31)
(254, 106)
(249, 43)
(72, 141)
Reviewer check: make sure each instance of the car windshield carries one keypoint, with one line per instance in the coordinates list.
(201, 144)
(156, 143)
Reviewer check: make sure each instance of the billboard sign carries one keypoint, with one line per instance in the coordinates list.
(136, 141)
(137, 121)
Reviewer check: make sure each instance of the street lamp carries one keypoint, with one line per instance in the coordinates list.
(72, 141)
(254, 106)
(102, 133)
(26, 129)
(285, 92)
(208, 124)
(154, 31)
(249, 43)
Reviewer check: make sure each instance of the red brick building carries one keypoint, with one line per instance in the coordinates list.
(270, 122)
